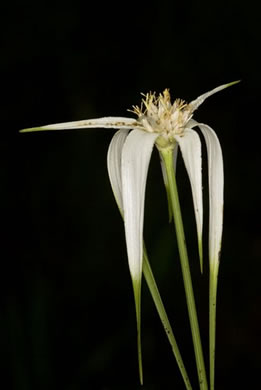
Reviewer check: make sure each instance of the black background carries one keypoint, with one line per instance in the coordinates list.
(67, 316)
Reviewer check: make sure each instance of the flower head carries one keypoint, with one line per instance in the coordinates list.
(157, 114)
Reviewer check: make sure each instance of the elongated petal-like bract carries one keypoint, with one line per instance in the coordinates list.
(216, 190)
(106, 122)
(136, 155)
(114, 164)
(190, 147)
(194, 104)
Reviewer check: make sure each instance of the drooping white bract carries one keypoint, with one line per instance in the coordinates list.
(166, 125)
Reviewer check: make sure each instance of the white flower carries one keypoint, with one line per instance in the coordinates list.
(168, 125)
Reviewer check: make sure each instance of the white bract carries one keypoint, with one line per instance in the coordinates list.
(166, 125)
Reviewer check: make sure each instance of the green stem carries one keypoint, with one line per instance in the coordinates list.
(148, 274)
(213, 280)
(167, 155)
(137, 298)
(163, 316)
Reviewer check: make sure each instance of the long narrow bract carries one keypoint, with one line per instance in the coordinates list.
(194, 104)
(216, 204)
(128, 168)
(106, 122)
(114, 165)
(190, 147)
(136, 155)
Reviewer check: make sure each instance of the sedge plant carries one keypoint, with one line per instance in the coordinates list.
(167, 126)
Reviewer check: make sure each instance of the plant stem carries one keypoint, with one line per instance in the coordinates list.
(213, 280)
(167, 155)
(137, 296)
(163, 316)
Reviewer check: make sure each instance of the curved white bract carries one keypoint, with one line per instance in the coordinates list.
(136, 154)
(114, 164)
(194, 104)
(190, 147)
(216, 190)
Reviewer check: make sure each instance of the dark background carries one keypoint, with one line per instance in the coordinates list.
(67, 315)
